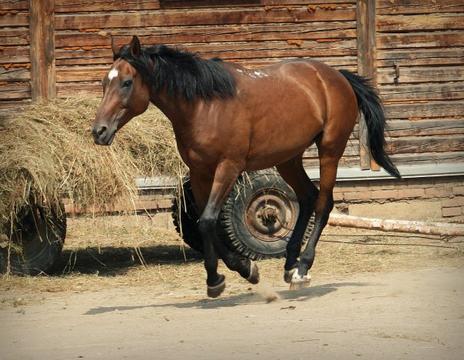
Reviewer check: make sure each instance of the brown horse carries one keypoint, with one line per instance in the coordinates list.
(228, 119)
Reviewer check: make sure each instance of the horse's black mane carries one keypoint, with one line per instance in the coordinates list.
(181, 72)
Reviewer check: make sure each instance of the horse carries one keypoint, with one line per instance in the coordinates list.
(228, 119)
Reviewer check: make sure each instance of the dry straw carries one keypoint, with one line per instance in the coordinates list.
(47, 150)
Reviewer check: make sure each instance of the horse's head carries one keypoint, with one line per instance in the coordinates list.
(125, 95)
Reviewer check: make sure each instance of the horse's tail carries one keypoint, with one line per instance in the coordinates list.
(371, 106)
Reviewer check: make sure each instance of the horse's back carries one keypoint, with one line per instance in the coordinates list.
(336, 99)
(286, 106)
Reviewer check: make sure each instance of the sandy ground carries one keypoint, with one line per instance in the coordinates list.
(373, 296)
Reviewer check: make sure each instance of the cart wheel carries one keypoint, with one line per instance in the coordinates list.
(259, 215)
(36, 240)
(185, 217)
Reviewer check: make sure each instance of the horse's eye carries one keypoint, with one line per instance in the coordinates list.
(127, 83)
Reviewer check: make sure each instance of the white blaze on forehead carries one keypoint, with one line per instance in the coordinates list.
(112, 74)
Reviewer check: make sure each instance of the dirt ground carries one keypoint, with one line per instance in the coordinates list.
(127, 289)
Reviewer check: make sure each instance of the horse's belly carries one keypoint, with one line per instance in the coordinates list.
(280, 143)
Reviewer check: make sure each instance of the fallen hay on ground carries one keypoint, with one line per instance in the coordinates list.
(47, 150)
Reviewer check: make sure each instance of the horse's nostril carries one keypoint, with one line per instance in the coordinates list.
(101, 130)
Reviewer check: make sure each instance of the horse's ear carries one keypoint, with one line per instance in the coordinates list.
(114, 47)
(135, 47)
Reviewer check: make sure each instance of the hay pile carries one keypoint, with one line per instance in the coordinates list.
(47, 150)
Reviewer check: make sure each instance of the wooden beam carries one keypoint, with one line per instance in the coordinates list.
(42, 49)
(416, 227)
(365, 20)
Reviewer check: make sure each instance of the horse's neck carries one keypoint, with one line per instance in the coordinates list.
(176, 109)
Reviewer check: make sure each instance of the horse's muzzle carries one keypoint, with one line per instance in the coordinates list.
(102, 135)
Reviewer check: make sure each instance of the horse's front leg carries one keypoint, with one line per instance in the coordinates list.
(210, 189)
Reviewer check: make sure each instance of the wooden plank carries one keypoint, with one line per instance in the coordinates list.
(423, 74)
(407, 226)
(422, 92)
(420, 57)
(16, 40)
(14, 5)
(427, 158)
(16, 31)
(172, 4)
(269, 49)
(14, 74)
(14, 54)
(76, 6)
(201, 34)
(401, 128)
(431, 61)
(420, 144)
(232, 51)
(420, 40)
(18, 18)
(397, 23)
(264, 56)
(336, 47)
(89, 88)
(80, 73)
(12, 106)
(419, 6)
(15, 91)
(90, 58)
(426, 54)
(203, 17)
(427, 110)
(71, 6)
(366, 66)
(42, 49)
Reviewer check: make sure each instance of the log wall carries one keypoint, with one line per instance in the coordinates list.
(15, 61)
(420, 73)
(251, 32)
(416, 57)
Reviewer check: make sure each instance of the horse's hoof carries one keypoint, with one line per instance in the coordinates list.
(288, 274)
(299, 281)
(254, 273)
(216, 290)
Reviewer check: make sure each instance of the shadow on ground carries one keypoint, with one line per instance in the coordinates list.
(237, 300)
(112, 261)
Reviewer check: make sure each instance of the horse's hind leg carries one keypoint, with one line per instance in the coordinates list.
(295, 175)
(329, 156)
(215, 189)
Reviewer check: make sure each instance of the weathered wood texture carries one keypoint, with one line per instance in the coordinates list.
(15, 61)
(420, 74)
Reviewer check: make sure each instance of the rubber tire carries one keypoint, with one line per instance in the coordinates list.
(41, 245)
(232, 227)
(185, 217)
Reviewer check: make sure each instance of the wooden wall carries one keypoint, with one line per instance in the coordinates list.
(15, 62)
(420, 73)
(417, 53)
(251, 32)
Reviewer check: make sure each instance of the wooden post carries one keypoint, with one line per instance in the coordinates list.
(42, 49)
(365, 17)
